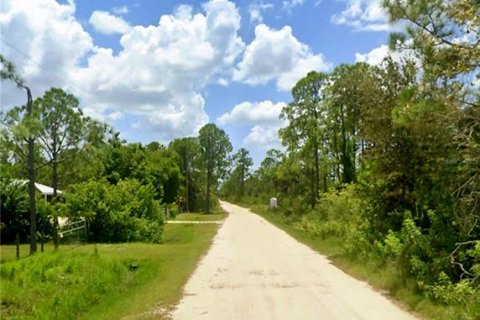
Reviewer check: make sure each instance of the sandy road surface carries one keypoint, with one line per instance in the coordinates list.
(256, 271)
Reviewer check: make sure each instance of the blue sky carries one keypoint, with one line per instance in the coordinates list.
(158, 70)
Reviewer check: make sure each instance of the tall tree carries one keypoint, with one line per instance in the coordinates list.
(306, 123)
(214, 149)
(63, 129)
(187, 150)
(243, 163)
(266, 172)
(351, 88)
(8, 72)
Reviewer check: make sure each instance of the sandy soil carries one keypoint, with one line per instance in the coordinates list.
(256, 271)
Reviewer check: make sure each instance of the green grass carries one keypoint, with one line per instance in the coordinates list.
(7, 253)
(96, 281)
(200, 217)
(385, 279)
(217, 215)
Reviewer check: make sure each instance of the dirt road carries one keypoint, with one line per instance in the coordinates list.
(256, 271)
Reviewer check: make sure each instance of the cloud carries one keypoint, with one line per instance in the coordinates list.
(120, 10)
(162, 69)
(374, 57)
(157, 76)
(115, 115)
(107, 23)
(264, 119)
(363, 15)
(263, 137)
(377, 55)
(290, 4)
(256, 10)
(253, 113)
(277, 55)
(44, 41)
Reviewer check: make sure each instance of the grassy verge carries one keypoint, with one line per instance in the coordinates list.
(103, 281)
(216, 215)
(385, 279)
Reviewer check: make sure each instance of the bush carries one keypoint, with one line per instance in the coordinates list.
(336, 214)
(123, 212)
(463, 293)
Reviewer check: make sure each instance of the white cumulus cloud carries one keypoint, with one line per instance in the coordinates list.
(277, 55)
(162, 69)
(106, 23)
(377, 55)
(263, 138)
(264, 121)
(363, 15)
(250, 113)
(157, 77)
(120, 10)
(256, 9)
(44, 41)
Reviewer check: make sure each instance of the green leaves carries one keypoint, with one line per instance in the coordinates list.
(9, 72)
(126, 211)
(214, 149)
(445, 34)
(235, 184)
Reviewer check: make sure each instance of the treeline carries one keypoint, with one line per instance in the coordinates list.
(122, 190)
(387, 158)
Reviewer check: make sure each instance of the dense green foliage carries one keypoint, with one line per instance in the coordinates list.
(126, 211)
(214, 149)
(235, 185)
(14, 209)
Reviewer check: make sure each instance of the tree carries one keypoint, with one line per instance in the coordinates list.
(85, 164)
(188, 150)
(235, 184)
(8, 72)
(306, 123)
(63, 129)
(446, 35)
(243, 163)
(214, 149)
(350, 91)
(14, 209)
(162, 171)
(266, 172)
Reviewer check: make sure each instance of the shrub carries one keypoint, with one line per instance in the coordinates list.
(126, 211)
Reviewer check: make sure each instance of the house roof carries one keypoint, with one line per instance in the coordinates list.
(46, 190)
(43, 189)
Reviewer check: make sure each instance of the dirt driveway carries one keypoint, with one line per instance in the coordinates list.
(256, 271)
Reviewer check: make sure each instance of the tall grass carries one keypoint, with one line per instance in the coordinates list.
(60, 285)
(103, 281)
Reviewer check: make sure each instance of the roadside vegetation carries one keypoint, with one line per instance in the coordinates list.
(381, 169)
(217, 215)
(103, 281)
